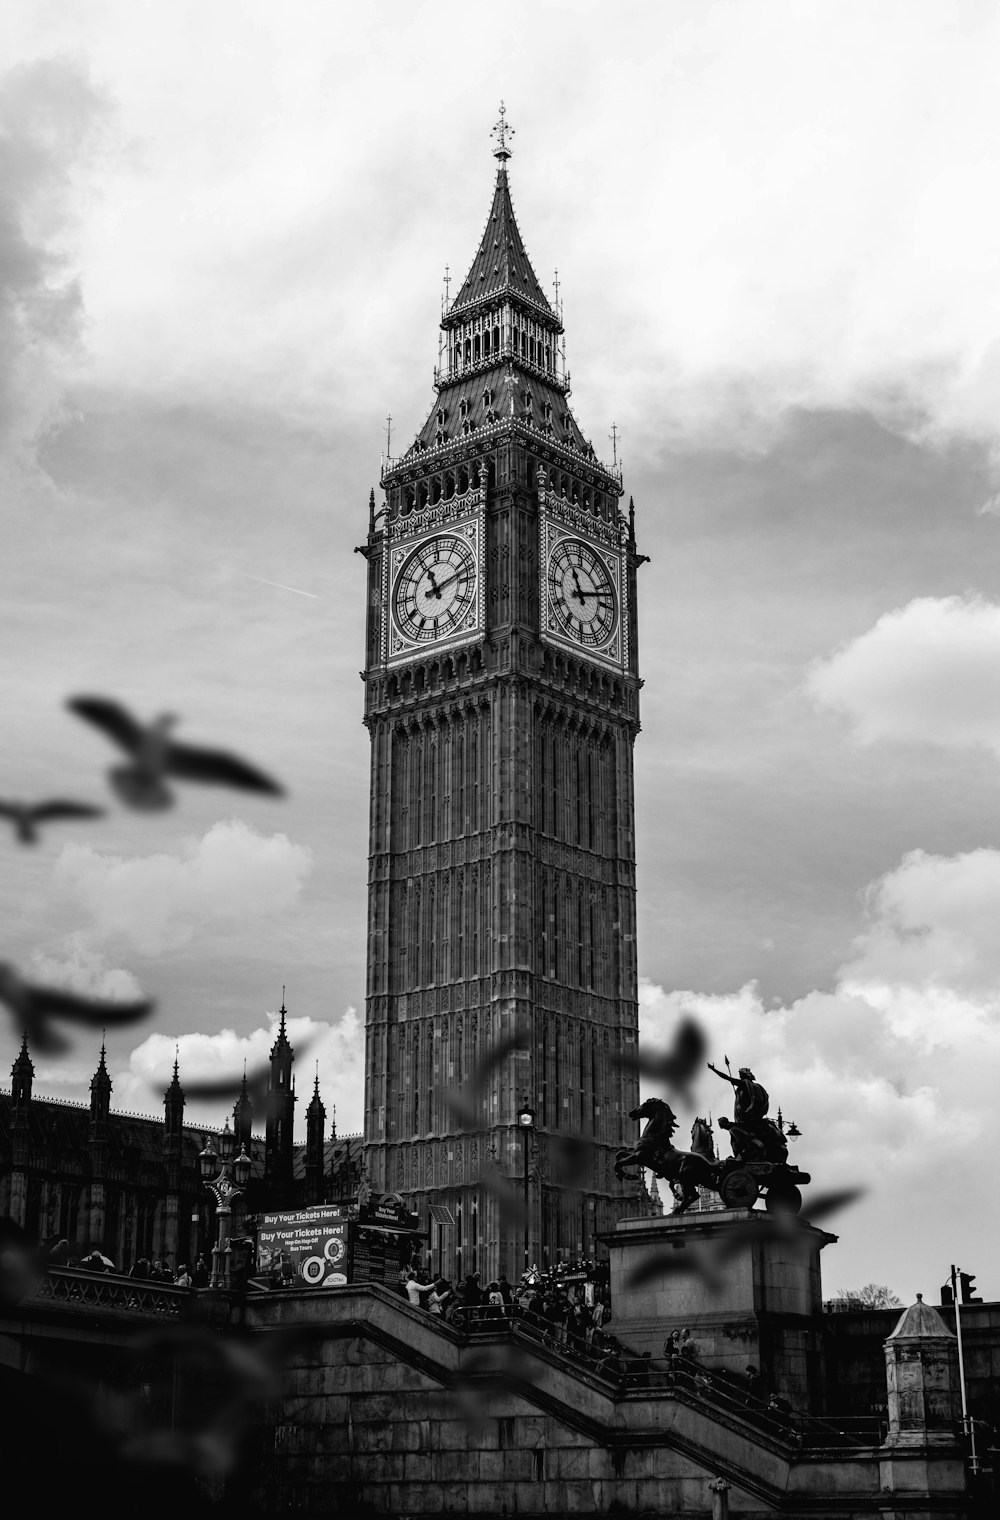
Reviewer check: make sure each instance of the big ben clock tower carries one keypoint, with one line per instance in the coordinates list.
(502, 700)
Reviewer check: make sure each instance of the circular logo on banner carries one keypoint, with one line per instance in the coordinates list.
(334, 1248)
(313, 1271)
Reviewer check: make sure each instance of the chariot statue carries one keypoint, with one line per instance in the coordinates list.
(758, 1166)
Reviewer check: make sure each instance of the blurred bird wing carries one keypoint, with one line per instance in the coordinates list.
(111, 718)
(228, 1087)
(218, 768)
(60, 809)
(70, 1005)
(495, 1055)
(10, 810)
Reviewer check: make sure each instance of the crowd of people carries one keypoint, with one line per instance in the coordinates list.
(568, 1312)
(187, 1275)
(562, 1307)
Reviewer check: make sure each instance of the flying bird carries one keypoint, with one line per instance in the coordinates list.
(32, 1007)
(464, 1104)
(232, 1087)
(677, 1065)
(27, 816)
(155, 756)
(708, 1257)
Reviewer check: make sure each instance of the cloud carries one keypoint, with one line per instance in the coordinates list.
(155, 903)
(927, 673)
(79, 966)
(891, 1074)
(933, 925)
(51, 122)
(339, 1049)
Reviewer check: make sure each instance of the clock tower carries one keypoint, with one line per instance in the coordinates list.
(502, 701)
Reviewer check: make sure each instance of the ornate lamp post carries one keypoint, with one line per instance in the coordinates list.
(788, 1128)
(226, 1178)
(526, 1123)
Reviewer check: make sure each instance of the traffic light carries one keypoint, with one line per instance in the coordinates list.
(947, 1295)
(968, 1283)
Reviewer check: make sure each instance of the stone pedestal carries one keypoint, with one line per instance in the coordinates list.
(746, 1286)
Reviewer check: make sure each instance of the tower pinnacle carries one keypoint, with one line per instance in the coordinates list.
(501, 132)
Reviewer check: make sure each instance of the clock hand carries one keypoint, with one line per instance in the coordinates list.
(435, 588)
(457, 576)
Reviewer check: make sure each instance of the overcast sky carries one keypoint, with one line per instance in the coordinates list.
(223, 231)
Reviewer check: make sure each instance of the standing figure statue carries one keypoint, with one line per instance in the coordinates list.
(754, 1136)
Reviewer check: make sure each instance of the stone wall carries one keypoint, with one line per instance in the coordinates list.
(391, 1412)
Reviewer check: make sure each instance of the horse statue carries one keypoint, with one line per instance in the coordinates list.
(657, 1153)
(702, 1142)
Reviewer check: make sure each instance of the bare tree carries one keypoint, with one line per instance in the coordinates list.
(871, 1296)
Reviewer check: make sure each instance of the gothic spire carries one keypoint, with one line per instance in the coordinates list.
(281, 1045)
(101, 1075)
(23, 1062)
(316, 1108)
(501, 264)
(175, 1083)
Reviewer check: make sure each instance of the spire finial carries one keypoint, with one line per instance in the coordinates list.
(501, 132)
(177, 1056)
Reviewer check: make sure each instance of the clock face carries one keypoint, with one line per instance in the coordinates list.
(582, 595)
(435, 589)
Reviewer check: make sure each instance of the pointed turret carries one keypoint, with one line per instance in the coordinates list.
(502, 359)
(315, 1125)
(100, 1107)
(100, 1096)
(281, 1050)
(280, 1118)
(21, 1074)
(501, 265)
(243, 1115)
(173, 1106)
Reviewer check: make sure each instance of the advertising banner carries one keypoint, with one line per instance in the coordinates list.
(388, 1211)
(304, 1248)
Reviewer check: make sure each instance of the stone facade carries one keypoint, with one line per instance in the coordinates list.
(759, 1301)
(129, 1185)
(391, 1412)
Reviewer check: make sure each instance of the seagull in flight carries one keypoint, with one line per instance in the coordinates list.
(155, 756)
(27, 816)
(32, 1007)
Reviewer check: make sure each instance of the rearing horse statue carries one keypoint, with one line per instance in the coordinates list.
(657, 1152)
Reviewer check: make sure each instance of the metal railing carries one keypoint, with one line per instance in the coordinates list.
(109, 1292)
(636, 1376)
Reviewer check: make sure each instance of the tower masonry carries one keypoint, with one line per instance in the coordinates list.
(502, 702)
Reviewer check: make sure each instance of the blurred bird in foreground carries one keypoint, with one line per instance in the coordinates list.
(707, 1257)
(155, 756)
(32, 1007)
(464, 1103)
(677, 1065)
(27, 816)
(255, 1084)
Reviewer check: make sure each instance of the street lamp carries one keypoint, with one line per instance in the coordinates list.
(790, 1130)
(526, 1123)
(226, 1179)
